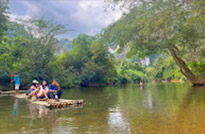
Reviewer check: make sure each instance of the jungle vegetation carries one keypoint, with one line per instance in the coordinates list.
(175, 27)
(173, 31)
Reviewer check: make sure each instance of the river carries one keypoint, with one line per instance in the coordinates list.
(165, 108)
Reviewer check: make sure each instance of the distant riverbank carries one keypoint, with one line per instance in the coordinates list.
(6, 87)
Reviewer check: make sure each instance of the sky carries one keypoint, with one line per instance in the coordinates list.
(82, 16)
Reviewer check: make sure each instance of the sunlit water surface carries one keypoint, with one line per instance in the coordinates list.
(157, 109)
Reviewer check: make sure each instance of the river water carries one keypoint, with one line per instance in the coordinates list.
(170, 108)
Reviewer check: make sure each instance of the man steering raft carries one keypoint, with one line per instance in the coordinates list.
(54, 90)
(17, 82)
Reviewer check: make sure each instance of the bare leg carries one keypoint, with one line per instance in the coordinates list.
(17, 91)
(40, 95)
(45, 94)
(35, 92)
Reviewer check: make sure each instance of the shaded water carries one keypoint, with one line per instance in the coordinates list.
(157, 109)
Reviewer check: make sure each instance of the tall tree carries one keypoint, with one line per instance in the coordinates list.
(40, 49)
(154, 26)
(90, 59)
(3, 16)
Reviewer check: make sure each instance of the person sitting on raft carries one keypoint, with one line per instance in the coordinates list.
(54, 90)
(34, 89)
(43, 90)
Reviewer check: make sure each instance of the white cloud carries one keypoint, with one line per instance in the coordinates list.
(91, 13)
(87, 4)
(15, 18)
(85, 16)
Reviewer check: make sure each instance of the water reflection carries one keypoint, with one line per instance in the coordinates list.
(157, 109)
(37, 110)
(117, 122)
(148, 100)
(141, 88)
(15, 107)
(191, 111)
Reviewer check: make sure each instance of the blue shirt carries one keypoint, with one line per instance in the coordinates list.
(17, 80)
(51, 87)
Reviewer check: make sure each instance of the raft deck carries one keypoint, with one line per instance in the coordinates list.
(48, 103)
(12, 92)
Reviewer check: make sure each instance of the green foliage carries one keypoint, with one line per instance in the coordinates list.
(15, 29)
(3, 16)
(80, 52)
(131, 72)
(67, 77)
(198, 67)
(154, 27)
(6, 59)
(135, 75)
(164, 68)
(90, 59)
(40, 50)
(30, 55)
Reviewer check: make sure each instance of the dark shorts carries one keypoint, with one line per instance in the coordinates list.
(51, 95)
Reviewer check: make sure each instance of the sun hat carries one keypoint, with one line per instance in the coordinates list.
(35, 81)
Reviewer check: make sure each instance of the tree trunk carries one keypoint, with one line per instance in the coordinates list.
(195, 80)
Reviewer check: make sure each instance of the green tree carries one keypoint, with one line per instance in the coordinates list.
(29, 51)
(3, 16)
(67, 77)
(104, 62)
(91, 59)
(152, 27)
(11, 53)
(80, 52)
(164, 68)
(40, 50)
(6, 59)
(131, 72)
(16, 29)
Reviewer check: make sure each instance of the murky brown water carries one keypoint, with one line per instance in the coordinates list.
(157, 109)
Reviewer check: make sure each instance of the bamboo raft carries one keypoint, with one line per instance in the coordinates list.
(11, 92)
(49, 104)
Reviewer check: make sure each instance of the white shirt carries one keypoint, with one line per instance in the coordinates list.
(41, 90)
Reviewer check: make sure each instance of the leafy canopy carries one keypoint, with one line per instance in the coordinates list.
(151, 27)
(3, 16)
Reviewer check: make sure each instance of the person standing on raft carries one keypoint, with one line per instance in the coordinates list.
(17, 82)
(54, 90)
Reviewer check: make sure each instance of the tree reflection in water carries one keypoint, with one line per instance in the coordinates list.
(191, 110)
